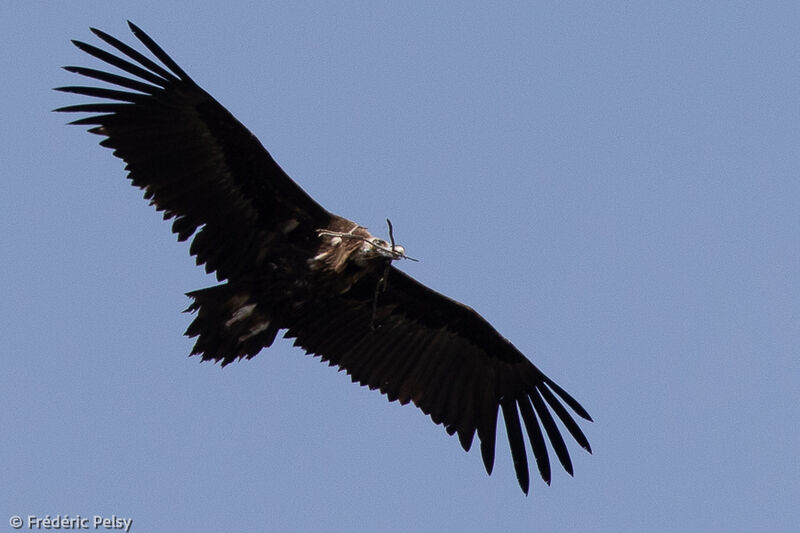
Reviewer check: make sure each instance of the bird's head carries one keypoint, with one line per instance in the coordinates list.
(376, 247)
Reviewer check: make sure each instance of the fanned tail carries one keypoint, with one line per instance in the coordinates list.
(229, 325)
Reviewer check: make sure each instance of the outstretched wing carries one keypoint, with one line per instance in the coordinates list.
(449, 361)
(195, 161)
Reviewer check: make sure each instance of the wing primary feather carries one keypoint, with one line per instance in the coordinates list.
(487, 434)
(537, 439)
(122, 64)
(487, 422)
(572, 402)
(517, 442)
(158, 52)
(556, 440)
(93, 120)
(139, 57)
(565, 417)
(99, 92)
(116, 79)
(95, 107)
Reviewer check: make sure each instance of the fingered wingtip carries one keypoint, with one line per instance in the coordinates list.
(134, 28)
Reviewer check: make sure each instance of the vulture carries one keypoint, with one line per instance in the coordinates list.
(286, 264)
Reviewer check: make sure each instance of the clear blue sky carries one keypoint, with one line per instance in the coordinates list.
(613, 185)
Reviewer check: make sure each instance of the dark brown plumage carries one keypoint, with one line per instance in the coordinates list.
(288, 264)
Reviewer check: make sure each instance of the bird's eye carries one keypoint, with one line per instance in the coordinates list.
(381, 243)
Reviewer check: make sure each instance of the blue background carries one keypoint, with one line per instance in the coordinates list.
(613, 185)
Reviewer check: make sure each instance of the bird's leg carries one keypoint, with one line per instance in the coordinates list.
(379, 288)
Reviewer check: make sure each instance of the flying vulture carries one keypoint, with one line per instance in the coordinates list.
(287, 264)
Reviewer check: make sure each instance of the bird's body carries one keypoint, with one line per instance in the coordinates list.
(288, 264)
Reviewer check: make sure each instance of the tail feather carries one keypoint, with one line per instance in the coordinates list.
(229, 325)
